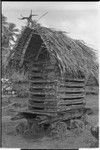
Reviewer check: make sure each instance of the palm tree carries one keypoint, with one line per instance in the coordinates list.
(9, 33)
(12, 32)
(9, 36)
(5, 41)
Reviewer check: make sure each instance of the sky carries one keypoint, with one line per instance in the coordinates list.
(81, 20)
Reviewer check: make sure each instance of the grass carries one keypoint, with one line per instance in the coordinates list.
(11, 140)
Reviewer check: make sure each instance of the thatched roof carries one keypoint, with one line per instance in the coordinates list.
(73, 55)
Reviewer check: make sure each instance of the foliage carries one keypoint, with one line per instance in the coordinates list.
(9, 36)
(17, 76)
(9, 33)
(7, 86)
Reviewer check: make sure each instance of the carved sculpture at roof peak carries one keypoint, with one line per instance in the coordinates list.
(32, 23)
(29, 19)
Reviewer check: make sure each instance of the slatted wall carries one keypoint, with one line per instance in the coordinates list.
(71, 94)
(51, 94)
(42, 88)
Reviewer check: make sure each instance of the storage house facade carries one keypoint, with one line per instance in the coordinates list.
(57, 70)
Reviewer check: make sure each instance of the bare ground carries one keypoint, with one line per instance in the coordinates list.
(12, 140)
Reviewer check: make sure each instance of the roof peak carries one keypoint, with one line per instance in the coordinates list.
(30, 22)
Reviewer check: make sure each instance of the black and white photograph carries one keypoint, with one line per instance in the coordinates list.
(50, 74)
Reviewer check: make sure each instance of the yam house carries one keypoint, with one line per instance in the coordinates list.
(58, 67)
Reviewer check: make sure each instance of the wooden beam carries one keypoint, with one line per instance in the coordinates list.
(74, 80)
(71, 95)
(68, 85)
(76, 101)
(42, 99)
(42, 81)
(71, 90)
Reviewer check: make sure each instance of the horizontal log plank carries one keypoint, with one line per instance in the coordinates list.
(42, 99)
(52, 86)
(38, 74)
(38, 105)
(65, 102)
(37, 99)
(64, 89)
(46, 103)
(38, 92)
(37, 95)
(70, 92)
(69, 84)
(41, 81)
(71, 95)
(71, 106)
(21, 82)
(43, 102)
(41, 89)
(42, 86)
(36, 89)
(36, 71)
(43, 92)
(42, 96)
(74, 80)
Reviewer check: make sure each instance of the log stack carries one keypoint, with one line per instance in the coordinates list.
(49, 93)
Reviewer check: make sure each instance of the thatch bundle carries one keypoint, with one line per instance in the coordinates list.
(73, 56)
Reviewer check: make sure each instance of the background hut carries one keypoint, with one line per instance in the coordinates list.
(58, 67)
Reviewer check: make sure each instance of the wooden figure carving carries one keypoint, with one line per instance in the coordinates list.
(29, 19)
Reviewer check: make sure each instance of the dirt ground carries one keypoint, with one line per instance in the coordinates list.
(12, 140)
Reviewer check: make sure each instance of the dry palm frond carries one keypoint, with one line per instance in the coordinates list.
(73, 56)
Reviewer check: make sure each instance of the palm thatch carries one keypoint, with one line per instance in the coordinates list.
(73, 55)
